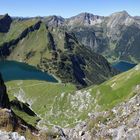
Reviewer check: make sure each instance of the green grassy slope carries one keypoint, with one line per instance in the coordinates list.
(41, 95)
(60, 104)
(16, 28)
(118, 89)
(29, 48)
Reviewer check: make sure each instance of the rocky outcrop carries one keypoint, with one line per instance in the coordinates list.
(4, 99)
(5, 22)
(12, 127)
(120, 123)
(10, 136)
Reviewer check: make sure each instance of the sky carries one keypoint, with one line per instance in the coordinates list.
(67, 8)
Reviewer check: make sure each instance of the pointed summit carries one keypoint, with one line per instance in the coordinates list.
(121, 14)
(123, 18)
(84, 19)
(5, 22)
(54, 20)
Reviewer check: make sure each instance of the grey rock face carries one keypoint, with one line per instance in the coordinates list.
(84, 19)
(122, 123)
(116, 23)
(54, 21)
(10, 136)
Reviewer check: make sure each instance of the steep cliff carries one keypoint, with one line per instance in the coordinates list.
(5, 22)
(4, 100)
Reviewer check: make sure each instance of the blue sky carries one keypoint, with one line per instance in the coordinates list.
(67, 8)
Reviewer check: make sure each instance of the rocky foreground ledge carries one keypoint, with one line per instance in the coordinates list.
(11, 125)
(6, 120)
(120, 123)
(10, 136)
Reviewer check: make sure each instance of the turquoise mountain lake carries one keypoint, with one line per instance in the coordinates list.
(12, 70)
(123, 66)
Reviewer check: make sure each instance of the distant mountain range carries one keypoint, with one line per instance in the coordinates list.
(115, 36)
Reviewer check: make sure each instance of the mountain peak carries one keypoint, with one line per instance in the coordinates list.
(85, 19)
(54, 20)
(86, 15)
(5, 22)
(123, 18)
(121, 13)
(124, 12)
(6, 15)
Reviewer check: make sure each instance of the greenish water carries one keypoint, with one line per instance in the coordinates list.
(12, 70)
